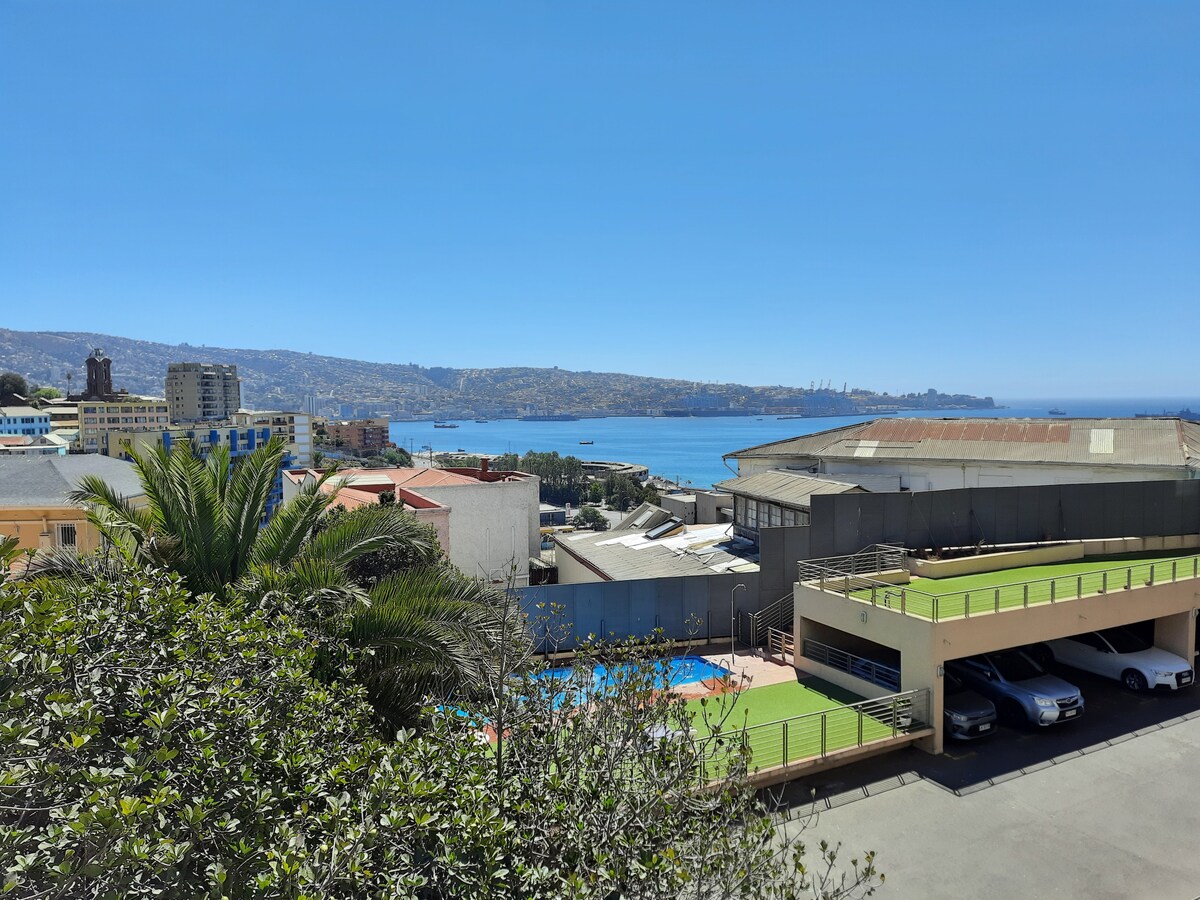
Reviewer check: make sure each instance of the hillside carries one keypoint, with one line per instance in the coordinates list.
(286, 379)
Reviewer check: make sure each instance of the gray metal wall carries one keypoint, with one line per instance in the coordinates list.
(778, 550)
(620, 609)
(846, 523)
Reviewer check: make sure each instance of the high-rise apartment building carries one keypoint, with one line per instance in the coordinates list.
(197, 392)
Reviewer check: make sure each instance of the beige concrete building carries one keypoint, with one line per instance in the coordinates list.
(364, 436)
(197, 392)
(870, 611)
(129, 413)
(33, 498)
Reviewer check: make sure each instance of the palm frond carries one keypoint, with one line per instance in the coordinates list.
(429, 630)
(374, 528)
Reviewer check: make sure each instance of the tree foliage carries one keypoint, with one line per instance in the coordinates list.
(624, 492)
(14, 389)
(368, 569)
(562, 477)
(590, 517)
(156, 743)
(204, 518)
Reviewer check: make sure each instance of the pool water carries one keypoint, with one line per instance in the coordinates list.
(673, 672)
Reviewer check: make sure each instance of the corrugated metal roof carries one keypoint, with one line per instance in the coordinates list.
(627, 554)
(1120, 442)
(46, 480)
(786, 488)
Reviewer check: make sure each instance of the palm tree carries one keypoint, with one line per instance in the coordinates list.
(433, 633)
(207, 520)
(429, 630)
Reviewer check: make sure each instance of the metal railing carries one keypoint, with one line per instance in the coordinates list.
(1018, 595)
(859, 666)
(819, 734)
(871, 560)
(781, 643)
(777, 615)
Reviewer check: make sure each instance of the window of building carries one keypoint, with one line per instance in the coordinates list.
(67, 536)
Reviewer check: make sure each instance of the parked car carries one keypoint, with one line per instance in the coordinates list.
(1120, 654)
(1020, 688)
(968, 715)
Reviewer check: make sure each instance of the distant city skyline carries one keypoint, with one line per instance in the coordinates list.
(995, 201)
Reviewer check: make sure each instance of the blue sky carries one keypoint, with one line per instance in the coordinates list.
(994, 198)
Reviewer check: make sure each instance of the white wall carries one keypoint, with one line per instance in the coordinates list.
(492, 525)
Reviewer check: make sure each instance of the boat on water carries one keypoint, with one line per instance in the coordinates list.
(482, 421)
(445, 424)
(1057, 412)
(1185, 413)
(587, 442)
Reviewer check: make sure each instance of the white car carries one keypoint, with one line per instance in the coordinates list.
(1119, 654)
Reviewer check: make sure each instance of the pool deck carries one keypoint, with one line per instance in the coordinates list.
(753, 670)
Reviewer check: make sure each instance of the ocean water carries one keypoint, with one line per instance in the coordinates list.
(691, 450)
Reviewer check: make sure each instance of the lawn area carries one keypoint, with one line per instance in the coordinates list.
(944, 598)
(779, 728)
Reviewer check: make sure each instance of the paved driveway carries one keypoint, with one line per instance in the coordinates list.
(1108, 809)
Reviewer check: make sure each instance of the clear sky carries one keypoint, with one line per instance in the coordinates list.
(998, 198)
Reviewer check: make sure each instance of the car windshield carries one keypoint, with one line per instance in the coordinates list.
(1014, 665)
(1125, 641)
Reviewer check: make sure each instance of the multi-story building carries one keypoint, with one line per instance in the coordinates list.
(241, 440)
(198, 392)
(366, 437)
(98, 417)
(492, 529)
(294, 427)
(24, 420)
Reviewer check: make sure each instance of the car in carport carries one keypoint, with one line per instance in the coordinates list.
(1020, 688)
(968, 714)
(1121, 655)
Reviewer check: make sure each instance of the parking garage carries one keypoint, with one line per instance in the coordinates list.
(885, 620)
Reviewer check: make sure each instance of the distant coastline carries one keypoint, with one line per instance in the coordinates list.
(689, 449)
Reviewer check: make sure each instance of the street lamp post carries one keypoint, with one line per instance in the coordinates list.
(733, 625)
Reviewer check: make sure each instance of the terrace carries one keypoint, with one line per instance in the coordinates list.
(940, 599)
(798, 725)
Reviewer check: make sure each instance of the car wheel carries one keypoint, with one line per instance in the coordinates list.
(1012, 713)
(1134, 680)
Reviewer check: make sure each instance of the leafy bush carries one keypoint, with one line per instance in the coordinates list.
(159, 744)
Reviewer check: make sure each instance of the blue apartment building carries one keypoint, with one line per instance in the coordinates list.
(24, 421)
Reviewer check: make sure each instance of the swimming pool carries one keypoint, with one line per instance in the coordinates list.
(672, 672)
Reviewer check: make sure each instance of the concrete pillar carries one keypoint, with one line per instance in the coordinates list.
(1177, 633)
(919, 670)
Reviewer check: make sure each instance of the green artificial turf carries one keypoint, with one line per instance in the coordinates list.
(1007, 588)
(765, 712)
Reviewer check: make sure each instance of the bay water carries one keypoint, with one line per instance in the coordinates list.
(690, 450)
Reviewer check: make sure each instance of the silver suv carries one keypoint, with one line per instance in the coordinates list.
(1020, 688)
